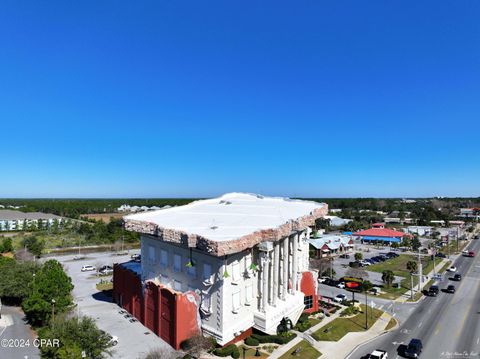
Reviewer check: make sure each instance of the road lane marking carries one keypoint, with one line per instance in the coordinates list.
(478, 339)
(420, 324)
(437, 329)
(459, 330)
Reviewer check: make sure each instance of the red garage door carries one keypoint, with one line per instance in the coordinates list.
(168, 316)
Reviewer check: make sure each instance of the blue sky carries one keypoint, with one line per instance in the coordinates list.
(193, 98)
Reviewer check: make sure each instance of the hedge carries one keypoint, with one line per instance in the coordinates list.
(252, 341)
(277, 339)
(229, 350)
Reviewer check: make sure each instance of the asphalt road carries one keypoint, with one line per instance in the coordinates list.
(16, 337)
(448, 324)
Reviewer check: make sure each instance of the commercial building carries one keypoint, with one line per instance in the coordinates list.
(380, 235)
(15, 220)
(221, 266)
(331, 244)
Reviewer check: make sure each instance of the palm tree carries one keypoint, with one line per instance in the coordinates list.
(412, 266)
(388, 277)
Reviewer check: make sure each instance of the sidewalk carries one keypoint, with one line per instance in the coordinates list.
(304, 336)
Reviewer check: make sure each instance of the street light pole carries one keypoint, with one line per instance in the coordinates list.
(53, 309)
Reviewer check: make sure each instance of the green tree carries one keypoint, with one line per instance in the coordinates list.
(7, 245)
(34, 245)
(388, 277)
(51, 283)
(415, 244)
(15, 280)
(75, 335)
(412, 266)
(358, 256)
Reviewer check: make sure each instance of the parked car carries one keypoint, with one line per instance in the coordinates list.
(378, 354)
(457, 277)
(440, 255)
(414, 348)
(452, 269)
(355, 264)
(365, 263)
(113, 339)
(330, 281)
(341, 285)
(106, 271)
(393, 254)
(136, 257)
(471, 254)
(87, 268)
(102, 268)
(450, 289)
(345, 256)
(465, 252)
(340, 298)
(374, 260)
(322, 279)
(433, 291)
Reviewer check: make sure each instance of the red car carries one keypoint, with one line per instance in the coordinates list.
(471, 254)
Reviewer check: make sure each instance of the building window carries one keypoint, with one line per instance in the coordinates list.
(248, 293)
(235, 271)
(151, 253)
(192, 270)
(163, 258)
(177, 285)
(308, 301)
(177, 262)
(207, 272)
(236, 301)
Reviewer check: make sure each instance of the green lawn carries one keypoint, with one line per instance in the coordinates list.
(306, 352)
(250, 353)
(444, 268)
(398, 266)
(336, 329)
(391, 324)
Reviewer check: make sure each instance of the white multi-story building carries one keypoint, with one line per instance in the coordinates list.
(244, 257)
(15, 220)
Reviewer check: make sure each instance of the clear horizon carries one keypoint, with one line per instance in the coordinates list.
(182, 100)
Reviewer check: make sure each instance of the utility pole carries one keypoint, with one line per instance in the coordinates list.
(420, 272)
(411, 286)
(366, 311)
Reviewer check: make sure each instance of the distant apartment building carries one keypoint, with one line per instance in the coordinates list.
(221, 266)
(16, 221)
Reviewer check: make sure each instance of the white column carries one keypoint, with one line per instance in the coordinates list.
(260, 287)
(285, 268)
(266, 263)
(294, 262)
(275, 272)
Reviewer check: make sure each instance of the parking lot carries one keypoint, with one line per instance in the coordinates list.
(340, 265)
(134, 340)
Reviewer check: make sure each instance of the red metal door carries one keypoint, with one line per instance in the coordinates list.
(151, 307)
(167, 318)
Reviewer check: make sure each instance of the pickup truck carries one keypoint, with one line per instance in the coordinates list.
(378, 354)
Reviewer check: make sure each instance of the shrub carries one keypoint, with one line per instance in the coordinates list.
(229, 350)
(277, 339)
(252, 341)
(303, 318)
(303, 326)
(351, 310)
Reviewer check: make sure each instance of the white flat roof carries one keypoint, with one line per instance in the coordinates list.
(230, 216)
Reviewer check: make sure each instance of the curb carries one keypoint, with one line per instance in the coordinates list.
(374, 338)
(366, 342)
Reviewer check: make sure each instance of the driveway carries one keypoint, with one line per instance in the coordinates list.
(134, 340)
(16, 337)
